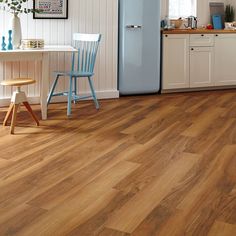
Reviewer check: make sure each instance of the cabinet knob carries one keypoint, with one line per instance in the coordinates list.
(192, 49)
(217, 35)
(166, 35)
(202, 35)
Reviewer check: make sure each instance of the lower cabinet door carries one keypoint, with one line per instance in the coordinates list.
(175, 61)
(225, 62)
(201, 67)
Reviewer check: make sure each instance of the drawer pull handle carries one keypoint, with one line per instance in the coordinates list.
(217, 35)
(202, 35)
(166, 35)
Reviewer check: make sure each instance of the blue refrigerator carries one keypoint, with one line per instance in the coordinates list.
(139, 46)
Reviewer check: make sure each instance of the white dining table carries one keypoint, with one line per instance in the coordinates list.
(37, 55)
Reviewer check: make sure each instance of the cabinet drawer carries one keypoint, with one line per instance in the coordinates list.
(201, 49)
(199, 40)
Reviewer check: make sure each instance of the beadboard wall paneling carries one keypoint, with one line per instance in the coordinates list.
(87, 16)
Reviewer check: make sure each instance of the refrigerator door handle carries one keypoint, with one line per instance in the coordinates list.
(133, 26)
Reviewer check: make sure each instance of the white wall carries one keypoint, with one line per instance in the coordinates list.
(91, 16)
(203, 10)
(232, 2)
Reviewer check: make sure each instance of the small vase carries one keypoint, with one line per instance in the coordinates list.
(16, 31)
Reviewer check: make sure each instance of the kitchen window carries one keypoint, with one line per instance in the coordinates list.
(182, 8)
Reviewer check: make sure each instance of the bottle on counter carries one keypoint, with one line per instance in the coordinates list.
(167, 22)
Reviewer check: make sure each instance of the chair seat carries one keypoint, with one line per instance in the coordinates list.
(17, 82)
(74, 73)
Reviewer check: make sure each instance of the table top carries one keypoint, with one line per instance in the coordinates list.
(47, 48)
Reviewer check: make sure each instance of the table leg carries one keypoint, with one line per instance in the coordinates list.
(44, 85)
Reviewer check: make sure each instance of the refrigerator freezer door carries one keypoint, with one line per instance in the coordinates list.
(139, 46)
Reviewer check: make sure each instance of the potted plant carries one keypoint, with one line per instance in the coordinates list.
(16, 7)
(229, 16)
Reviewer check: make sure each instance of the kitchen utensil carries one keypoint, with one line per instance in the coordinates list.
(192, 22)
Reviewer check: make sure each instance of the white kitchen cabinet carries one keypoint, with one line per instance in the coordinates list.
(225, 59)
(201, 67)
(175, 61)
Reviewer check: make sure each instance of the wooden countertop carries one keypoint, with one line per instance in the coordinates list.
(198, 31)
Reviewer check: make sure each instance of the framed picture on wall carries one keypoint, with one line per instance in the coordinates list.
(51, 9)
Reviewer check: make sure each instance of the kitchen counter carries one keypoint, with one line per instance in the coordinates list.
(198, 31)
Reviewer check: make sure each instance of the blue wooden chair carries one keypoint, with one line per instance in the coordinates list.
(83, 62)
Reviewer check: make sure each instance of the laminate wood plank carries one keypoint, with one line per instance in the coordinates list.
(60, 192)
(85, 202)
(219, 167)
(198, 215)
(203, 142)
(226, 100)
(42, 177)
(221, 228)
(44, 139)
(20, 220)
(4, 163)
(95, 225)
(21, 167)
(197, 104)
(227, 211)
(228, 137)
(151, 130)
(136, 210)
(111, 232)
(231, 112)
(148, 172)
(159, 146)
(163, 112)
(154, 221)
(203, 121)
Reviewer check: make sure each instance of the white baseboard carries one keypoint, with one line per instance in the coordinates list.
(109, 94)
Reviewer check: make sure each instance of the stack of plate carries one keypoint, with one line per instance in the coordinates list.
(32, 43)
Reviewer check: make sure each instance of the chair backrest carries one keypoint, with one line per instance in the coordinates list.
(87, 45)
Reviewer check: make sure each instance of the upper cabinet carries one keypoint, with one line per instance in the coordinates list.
(175, 61)
(225, 59)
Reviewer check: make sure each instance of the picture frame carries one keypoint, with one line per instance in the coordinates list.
(50, 9)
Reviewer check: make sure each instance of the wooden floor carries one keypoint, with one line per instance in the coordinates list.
(149, 165)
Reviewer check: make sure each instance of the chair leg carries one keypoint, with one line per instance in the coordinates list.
(8, 115)
(75, 87)
(93, 93)
(69, 96)
(13, 120)
(28, 107)
(52, 90)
